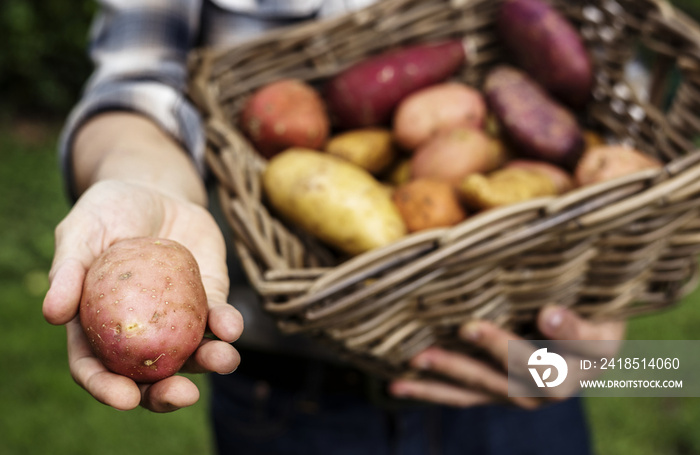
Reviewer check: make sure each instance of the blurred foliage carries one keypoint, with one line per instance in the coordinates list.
(43, 62)
(691, 7)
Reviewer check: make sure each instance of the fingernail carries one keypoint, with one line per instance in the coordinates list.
(422, 363)
(553, 319)
(471, 331)
(399, 391)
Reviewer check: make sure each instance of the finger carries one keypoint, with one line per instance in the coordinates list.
(63, 297)
(464, 369)
(88, 372)
(438, 392)
(169, 394)
(72, 258)
(471, 372)
(225, 321)
(213, 356)
(490, 337)
(558, 323)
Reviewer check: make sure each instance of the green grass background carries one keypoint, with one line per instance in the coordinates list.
(42, 411)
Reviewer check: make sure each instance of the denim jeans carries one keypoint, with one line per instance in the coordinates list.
(251, 416)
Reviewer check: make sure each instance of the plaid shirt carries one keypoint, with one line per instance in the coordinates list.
(140, 47)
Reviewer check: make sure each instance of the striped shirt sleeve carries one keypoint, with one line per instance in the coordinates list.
(139, 48)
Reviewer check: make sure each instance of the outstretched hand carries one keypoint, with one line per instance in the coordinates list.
(476, 382)
(111, 211)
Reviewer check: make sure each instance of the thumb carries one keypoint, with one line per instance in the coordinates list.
(72, 258)
(559, 323)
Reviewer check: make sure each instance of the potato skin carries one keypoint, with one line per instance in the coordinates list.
(548, 47)
(455, 154)
(426, 204)
(370, 148)
(562, 180)
(534, 123)
(432, 110)
(606, 162)
(283, 114)
(332, 199)
(504, 187)
(143, 308)
(399, 172)
(367, 93)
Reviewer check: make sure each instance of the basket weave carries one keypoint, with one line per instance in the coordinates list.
(612, 250)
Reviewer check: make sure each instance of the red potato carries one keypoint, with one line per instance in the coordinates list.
(285, 114)
(534, 123)
(143, 308)
(432, 110)
(607, 162)
(455, 154)
(548, 47)
(367, 93)
(562, 180)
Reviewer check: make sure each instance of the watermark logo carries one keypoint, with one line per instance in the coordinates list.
(543, 358)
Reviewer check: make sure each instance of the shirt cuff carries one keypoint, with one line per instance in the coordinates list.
(167, 107)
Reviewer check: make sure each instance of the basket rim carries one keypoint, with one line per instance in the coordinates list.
(421, 257)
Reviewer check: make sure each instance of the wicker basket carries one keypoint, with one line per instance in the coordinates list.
(612, 250)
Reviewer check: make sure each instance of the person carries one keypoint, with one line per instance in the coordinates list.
(132, 156)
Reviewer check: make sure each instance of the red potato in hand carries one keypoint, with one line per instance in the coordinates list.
(436, 109)
(283, 114)
(453, 155)
(607, 162)
(143, 308)
(367, 93)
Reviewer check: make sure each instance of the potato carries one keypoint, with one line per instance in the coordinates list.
(285, 114)
(592, 139)
(399, 173)
(432, 110)
(607, 162)
(455, 154)
(504, 187)
(562, 180)
(367, 93)
(332, 199)
(143, 308)
(426, 204)
(534, 123)
(370, 148)
(547, 46)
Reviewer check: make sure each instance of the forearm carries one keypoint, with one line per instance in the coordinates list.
(130, 147)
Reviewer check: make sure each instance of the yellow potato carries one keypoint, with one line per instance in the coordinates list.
(332, 199)
(607, 162)
(370, 148)
(399, 173)
(504, 187)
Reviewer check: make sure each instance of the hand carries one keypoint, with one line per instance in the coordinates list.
(110, 211)
(477, 382)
